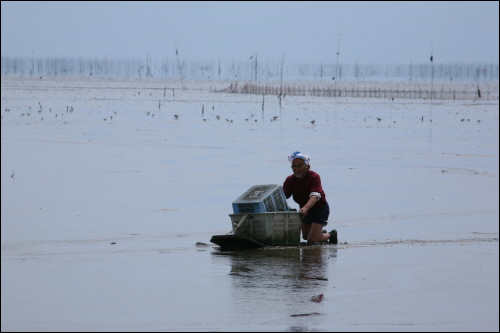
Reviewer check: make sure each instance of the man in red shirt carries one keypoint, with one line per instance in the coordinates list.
(305, 186)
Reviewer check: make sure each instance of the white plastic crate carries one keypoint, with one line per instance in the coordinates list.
(261, 199)
(277, 228)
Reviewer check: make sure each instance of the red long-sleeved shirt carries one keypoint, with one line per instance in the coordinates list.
(301, 189)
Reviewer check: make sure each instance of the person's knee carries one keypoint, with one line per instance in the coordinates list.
(314, 234)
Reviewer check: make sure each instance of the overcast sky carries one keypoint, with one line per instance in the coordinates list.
(371, 32)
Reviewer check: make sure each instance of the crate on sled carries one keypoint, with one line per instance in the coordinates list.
(274, 228)
(261, 199)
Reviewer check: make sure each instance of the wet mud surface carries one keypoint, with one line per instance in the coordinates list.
(108, 186)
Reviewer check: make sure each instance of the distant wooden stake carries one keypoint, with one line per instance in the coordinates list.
(337, 67)
(179, 64)
(262, 107)
(432, 72)
(281, 82)
(256, 67)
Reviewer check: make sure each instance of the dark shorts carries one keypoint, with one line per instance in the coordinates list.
(319, 215)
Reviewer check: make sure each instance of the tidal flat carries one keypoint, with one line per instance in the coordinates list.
(109, 184)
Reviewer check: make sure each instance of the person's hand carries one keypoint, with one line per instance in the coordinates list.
(303, 211)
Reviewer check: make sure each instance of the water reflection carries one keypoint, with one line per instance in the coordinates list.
(278, 282)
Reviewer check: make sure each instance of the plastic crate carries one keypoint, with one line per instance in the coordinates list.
(261, 199)
(277, 229)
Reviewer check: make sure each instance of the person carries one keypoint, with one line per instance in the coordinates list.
(305, 187)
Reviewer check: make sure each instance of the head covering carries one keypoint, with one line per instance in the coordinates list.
(297, 154)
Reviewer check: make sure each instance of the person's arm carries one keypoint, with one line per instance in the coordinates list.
(312, 201)
(287, 187)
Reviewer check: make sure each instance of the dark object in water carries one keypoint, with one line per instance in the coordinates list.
(235, 242)
(305, 314)
(313, 278)
(317, 299)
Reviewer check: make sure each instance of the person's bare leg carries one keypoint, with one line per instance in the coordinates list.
(315, 234)
(305, 230)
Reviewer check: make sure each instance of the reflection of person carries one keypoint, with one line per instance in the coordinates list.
(313, 267)
(305, 186)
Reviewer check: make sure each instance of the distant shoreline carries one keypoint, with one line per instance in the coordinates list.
(364, 89)
(248, 70)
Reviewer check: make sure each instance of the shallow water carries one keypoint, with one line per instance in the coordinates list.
(415, 203)
(145, 285)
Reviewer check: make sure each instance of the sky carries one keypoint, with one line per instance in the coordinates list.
(372, 32)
